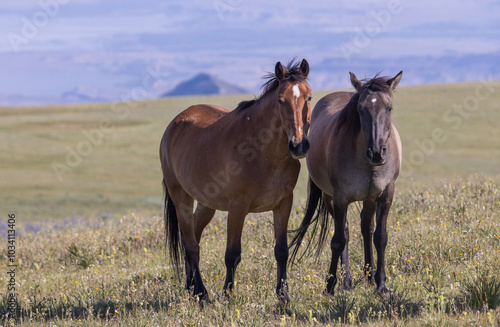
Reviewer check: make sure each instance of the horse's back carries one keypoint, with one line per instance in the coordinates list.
(201, 115)
(324, 117)
(323, 123)
(330, 104)
(191, 123)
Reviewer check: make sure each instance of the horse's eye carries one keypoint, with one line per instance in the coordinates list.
(281, 100)
(309, 99)
(389, 108)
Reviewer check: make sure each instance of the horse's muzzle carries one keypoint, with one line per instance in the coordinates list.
(300, 150)
(376, 158)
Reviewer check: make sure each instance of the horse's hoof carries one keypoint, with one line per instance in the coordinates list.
(283, 296)
(329, 292)
(201, 296)
(347, 284)
(330, 286)
(382, 290)
(283, 299)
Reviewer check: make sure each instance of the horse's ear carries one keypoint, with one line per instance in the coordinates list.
(279, 72)
(355, 82)
(393, 82)
(304, 67)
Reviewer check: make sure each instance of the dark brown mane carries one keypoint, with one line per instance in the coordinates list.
(245, 104)
(377, 84)
(349, 117)
(292, 74)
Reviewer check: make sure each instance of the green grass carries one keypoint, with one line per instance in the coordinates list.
(122, 171)
(442, 265)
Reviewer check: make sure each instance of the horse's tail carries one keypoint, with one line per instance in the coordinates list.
(314, 203)
(172, 233)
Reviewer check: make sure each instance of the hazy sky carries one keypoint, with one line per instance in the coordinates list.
(49, 47)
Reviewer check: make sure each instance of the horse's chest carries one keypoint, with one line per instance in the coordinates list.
(360, 186)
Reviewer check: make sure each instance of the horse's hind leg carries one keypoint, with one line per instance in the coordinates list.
(184, 208)
(367, 227)
(202, 216)
(344, 257)
(235, 220)
(337, 245)
(380, 236)
(281, 216)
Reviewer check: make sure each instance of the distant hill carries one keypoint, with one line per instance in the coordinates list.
(205, 84)
(83, 94)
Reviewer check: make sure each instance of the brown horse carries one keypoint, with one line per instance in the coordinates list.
(355, 155)
(239, 161)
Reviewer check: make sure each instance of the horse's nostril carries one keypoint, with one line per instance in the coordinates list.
(300, 149)
(305, 145)
(369, 153)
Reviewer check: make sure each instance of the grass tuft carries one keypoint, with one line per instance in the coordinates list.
(343, 305)
(482, 293)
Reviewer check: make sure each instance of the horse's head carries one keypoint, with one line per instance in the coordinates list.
(374, 107)
(294, 106)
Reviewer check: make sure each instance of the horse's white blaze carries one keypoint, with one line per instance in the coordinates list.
(374, 100)
(296, 92)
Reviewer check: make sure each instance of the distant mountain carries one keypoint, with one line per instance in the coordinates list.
(330, 73)
(205, 84)
(81, 94)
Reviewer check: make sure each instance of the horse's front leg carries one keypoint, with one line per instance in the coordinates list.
(337, 245)
(380, 236)
(344, 259)
(281, 215)
(367, 227)
(235, 220)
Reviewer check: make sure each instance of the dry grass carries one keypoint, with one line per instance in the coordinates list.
(114, 271)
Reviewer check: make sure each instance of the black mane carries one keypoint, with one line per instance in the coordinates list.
(377, 84)
(292, 73)
(349, 116)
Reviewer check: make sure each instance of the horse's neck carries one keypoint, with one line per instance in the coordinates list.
(348, 122)
(350, 131)
(267, 126)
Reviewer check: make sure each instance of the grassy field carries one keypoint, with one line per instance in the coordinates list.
(442, 263)
(84, 183)
(94, 160)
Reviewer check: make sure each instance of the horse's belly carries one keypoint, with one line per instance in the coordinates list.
(211, 187)
(270, 200)
(260, 189)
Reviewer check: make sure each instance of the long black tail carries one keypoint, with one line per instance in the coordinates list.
(314, 204)
(172, 233)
